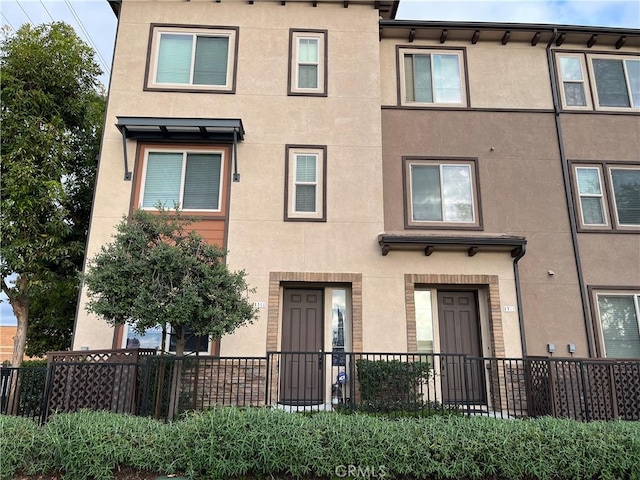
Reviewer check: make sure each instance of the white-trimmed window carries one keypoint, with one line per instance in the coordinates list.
(190, 180)
(625, 183)
(308, 62)
(441, 193)
(192, 58)
(574, 93)
(617, 81)
(607, 195)
(590, 193)
(432, 77)
(619, 322)
(306, 185)
(612, 80)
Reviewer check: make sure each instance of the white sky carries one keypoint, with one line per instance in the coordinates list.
(96, 24)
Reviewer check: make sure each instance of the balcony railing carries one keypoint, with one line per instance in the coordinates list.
(393, 384)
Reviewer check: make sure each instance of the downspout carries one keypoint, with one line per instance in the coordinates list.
(236, 175)
(569, 197)
(516, 273)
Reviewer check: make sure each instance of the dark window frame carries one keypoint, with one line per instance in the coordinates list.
(589, 80)
(156, 29)
(142, 148)
(427, 49)
(608, 196)
(289, 214)
(477, 224)
(593, 292)
(323, 62)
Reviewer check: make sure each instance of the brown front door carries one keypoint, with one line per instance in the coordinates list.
(301, 374)
(462, 379)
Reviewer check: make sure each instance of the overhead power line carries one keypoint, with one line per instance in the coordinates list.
(84, 30)
(25, 12)
(8, 22)
(46, 10)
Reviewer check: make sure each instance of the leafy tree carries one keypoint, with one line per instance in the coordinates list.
(157, 271)
(52, 107)
(51, 312)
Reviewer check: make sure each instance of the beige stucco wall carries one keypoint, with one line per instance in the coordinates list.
(518, 158)
(347, 121)
(512, 76)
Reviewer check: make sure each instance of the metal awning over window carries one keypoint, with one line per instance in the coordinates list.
(214, 130)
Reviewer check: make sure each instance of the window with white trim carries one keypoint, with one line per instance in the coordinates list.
(617, 81)
(607, 195)
(625, 183)
(306, 185)
(432, 77)
(192, 58)
(308, 62)
(619, 322)
(592, 211)
(441, 193)
(573, 81)
(190, 180)
(612, 80)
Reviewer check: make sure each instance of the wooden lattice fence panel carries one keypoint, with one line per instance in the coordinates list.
(96, 380)
(600, 397)
(627, 387)
(567, 392)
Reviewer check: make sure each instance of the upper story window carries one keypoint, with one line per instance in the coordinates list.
(608, 196)
(189, 179)
(196, 59)
(430, 77)
(573, 81)
(613, 81)
(441, 193)
(305, 193)
(617, 82)
(308, 62)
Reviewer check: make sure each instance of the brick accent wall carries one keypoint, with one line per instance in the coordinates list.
(240, 382)
(489, 282)
(277, 278)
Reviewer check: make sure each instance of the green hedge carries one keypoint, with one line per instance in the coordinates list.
(383, 381)
(231, 442)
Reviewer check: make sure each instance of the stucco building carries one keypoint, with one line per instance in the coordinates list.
(387, 185)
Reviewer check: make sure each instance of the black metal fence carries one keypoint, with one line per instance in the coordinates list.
(394, 384)
(22, 391)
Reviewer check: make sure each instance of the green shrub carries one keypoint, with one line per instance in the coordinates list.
(38, 363)
(21, 447)
(399, 409)
(391, 385)
(93, 444)
(230, 442)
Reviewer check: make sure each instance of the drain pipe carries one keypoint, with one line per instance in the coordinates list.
(569, 197)
(516, 275)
